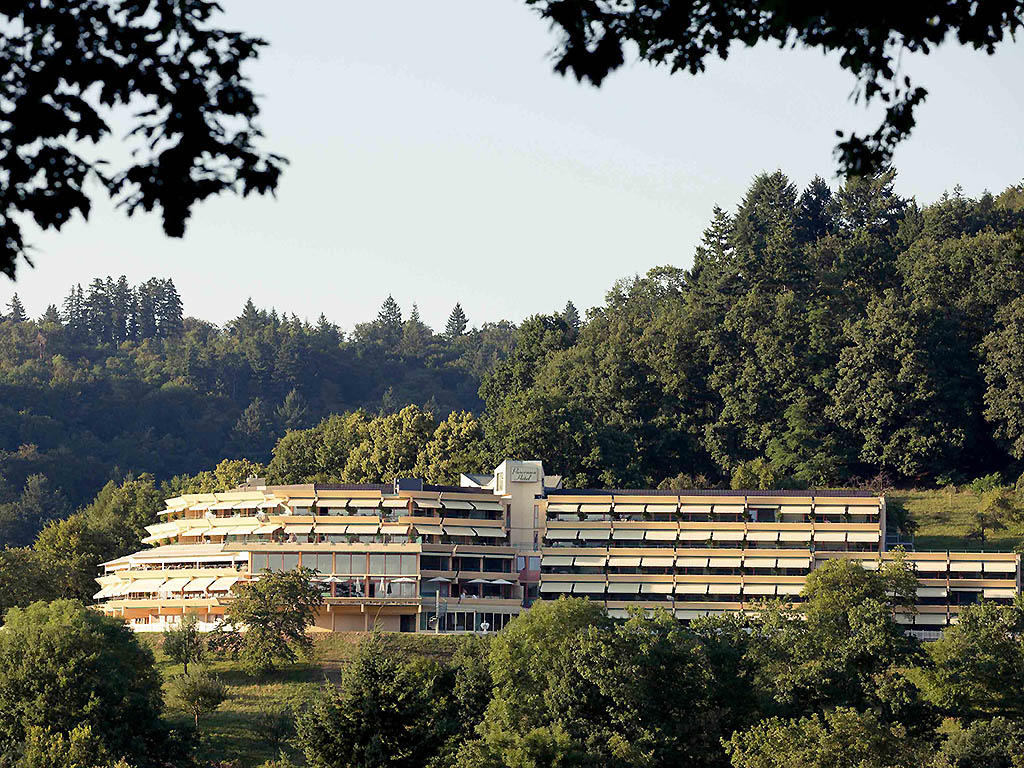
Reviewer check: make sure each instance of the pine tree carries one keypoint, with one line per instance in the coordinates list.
(169, 316)
(120, 308)
(253, 433)
(145, 310)
(415, 335)
(456, 323)
(51, 316)
(98, 312)
(571, 316)
(326, 333)
(293, 413)
(247, 323)
(17, 310)
(816, 216)
(74, 314)
(389, 320)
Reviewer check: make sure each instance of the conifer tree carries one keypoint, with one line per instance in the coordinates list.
(74, 314)
(97, 312)
(120, 308)
(415, 334)
(389, 320)
(145, 311)
(168, 310)
(17, 309)
(293, 413)
(51, 316)
(326, 333)
(248, 321)
(456, 322)
(571, 315)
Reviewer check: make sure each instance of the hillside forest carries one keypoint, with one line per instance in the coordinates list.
(821, 337)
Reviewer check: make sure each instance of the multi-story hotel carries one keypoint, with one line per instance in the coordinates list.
(416, 557)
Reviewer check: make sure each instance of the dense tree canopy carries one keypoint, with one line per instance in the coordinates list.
(824, 336)
(563, 685)
(119, 381)
(820, 337)
(63, 666)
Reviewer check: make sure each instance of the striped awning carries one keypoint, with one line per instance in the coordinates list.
(200, 585)
(223, 584)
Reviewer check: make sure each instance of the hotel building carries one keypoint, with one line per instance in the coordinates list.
(417, 557)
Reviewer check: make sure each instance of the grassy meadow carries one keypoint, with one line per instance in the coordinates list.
(944, 520)
(239, 733)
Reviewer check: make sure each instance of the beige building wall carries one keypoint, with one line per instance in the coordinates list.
(521, 482)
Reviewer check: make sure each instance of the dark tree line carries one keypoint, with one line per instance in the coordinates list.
(111, 311)
(820, 337)
(119, 381)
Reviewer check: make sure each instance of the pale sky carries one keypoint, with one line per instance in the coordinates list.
(436, 156)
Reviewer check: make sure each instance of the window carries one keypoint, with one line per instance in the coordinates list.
(409, 564)
(534, 563)
(392, 564)
(401, 589)
(520, 562)
(273, 562)
(350, 588)
(259, 563)
(762, 515)
(434, 563)
(343, 563)
(377, 563)
(323, 564)
(290, 561)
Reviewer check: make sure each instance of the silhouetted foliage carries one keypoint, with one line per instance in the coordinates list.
(595, 37)
(72, 67)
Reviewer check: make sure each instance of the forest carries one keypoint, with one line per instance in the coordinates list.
(836, 683)
(823, 337)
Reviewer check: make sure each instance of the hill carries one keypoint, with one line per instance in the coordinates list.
(821, 338)
(945, 521)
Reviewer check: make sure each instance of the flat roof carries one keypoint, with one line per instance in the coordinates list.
(707, 492)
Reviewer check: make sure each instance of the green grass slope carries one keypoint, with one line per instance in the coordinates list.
(235, 733)
(944, 521)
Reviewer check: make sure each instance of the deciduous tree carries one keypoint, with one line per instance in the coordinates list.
(266, 621)
(75, 68)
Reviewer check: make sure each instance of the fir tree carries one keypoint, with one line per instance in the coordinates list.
(293, 413)
(389, 320)
(326, 333)
(714, 271)
(253, 433)
(145, 310)
(456, 322)
(571, 315)
(120, 308)
(17, 310)
(249, 321)
(168, 310)
(74, 314)
(98, 312)
(415, 334)
(51, 316)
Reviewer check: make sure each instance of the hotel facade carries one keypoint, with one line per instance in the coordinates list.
(416, 557)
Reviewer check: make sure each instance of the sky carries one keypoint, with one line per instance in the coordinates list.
(435, 156)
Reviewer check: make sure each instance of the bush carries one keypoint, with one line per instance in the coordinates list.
(982, 485)
(64, 667)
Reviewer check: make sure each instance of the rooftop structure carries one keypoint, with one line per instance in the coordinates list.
(416, 557)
